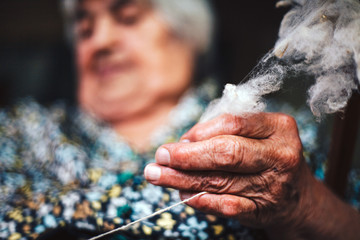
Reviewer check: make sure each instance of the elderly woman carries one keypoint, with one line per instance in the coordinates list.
(76, 172)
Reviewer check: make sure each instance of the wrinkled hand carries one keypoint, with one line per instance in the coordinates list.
(252, 167)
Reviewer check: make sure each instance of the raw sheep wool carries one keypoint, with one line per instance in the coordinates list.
(320, 38)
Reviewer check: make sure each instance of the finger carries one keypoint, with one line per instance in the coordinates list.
(224, 205)
(222, 153)
(259, 126)
(215, 182)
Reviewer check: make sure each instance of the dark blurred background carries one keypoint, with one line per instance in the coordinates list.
(36, 60)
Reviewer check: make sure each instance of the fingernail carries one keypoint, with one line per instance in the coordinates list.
(185, 141)
(152, 173)
(162, 156)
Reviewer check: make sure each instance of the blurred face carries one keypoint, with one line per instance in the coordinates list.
(128, 60)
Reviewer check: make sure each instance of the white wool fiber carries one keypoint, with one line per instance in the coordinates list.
(246, 98)
(320, 38)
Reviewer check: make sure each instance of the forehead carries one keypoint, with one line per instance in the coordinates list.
(105, 4)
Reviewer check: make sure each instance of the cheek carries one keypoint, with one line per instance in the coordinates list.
(86, 89)
(165, 65)
(172, 69)
(82, 58)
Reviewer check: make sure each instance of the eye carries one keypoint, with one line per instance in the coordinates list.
(83, 24)
(128, 15)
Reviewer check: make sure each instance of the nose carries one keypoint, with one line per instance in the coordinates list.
(104, 35)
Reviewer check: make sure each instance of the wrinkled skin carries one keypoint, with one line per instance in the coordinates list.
(253, 170)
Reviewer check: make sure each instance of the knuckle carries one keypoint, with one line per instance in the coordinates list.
(258, 184)
(217, 184)
(286, 121)
(196, 134)
(233, 124)
(291, 157)
(226, 152)
(289, 148)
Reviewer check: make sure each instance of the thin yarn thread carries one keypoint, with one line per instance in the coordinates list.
(127, 226)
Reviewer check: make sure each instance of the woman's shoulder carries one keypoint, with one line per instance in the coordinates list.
(30, 110)
(32, 138)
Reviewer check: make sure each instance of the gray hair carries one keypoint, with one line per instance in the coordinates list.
(190, 20)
